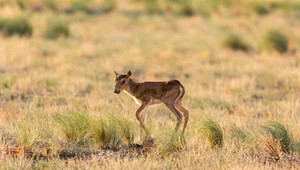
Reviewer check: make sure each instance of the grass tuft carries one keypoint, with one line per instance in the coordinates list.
(80, 5)
(212, 132)
(105, 133)
(152, 6)
(21, 4)
(15, 26)
(7, 82)
(75, 126)
(296, 147)
(279, 133)
(186, 8)
(127, 130)
(57, 28)
(235, 42)
(176, 143)
(275, 40)
(237, 133)
(110, 5)
(273, 147)
(260, 8)
(50, 4)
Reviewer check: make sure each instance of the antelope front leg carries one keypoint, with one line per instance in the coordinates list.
(140, 117)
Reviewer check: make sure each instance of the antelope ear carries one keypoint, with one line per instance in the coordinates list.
(128, 74)
(116, 73)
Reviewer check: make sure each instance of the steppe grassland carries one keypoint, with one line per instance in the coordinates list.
(41, 78)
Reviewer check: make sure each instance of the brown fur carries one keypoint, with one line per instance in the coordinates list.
(148, 93)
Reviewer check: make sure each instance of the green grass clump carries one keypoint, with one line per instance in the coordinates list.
(127, 130)
(7, 82)
(21, 4)
(152, 6)
(235, 42)
(260, 8)
(80, 5)
(186, 8)
(105, 133)
(110, 5)
(172, 142)
(275, 40)
(212, 132)
(57, 28)
(278, 132)
(19, 26)
(76, 126)
(50, 4)
(296, 147)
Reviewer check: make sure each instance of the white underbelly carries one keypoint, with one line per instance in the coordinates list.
(139, 102)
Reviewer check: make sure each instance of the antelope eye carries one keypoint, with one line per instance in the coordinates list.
(123, 81)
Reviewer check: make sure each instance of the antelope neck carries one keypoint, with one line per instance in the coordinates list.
(132, 85)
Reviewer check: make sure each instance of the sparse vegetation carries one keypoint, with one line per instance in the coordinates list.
(106, 133)
(110, 5)
(50, 4)
(279, 133)
(235, 42)
(152, 6)
(260, 8)
(75, 126)
(58, 109)
(80, 5)
(275, 40)
(212, 132)
(186, 8)
(56, 29)
(19, 26)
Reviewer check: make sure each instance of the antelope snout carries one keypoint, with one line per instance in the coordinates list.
(117, 91)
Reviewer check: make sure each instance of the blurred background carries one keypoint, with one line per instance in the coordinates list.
(71, 47)
(239, 61)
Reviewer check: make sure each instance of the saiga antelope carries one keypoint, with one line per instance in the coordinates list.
(148, 93)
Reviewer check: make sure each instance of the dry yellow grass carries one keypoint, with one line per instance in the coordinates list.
(40, 78)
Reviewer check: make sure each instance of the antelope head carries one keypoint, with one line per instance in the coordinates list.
(121, 81)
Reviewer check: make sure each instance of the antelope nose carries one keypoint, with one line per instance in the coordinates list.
(117, 91)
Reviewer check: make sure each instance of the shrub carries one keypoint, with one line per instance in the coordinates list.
(57, 28)
(235, 42)
(279, 133)
(212, 132)
(275, 40)
(12, 26)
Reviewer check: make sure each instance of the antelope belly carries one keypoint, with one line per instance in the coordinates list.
(135, 99)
